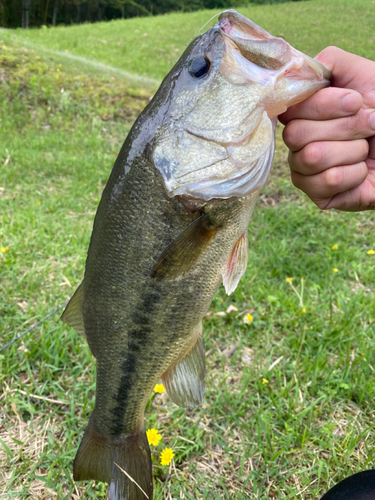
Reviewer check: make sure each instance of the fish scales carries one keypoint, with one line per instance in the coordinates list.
(140, 311)
(170, 227)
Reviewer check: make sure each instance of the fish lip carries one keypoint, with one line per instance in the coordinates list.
(316, 66)
(310, 69)
(230, 18)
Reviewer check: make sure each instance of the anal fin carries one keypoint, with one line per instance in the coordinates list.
(185, 383)
(73, 314)
(184, 252)
(236, 265)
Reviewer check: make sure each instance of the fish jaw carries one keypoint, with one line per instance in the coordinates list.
(218, 141)
(255, 56)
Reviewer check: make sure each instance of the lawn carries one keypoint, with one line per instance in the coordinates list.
(289, 405)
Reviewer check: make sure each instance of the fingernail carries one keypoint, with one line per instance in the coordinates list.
(372, 121)
(350, 103)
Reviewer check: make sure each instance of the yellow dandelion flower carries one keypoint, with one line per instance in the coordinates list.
(265, 381)
(371, 252)
(335, 247)
(288, 280)
(166, 456)
(153, 437)
(248, 319)
(159, 388)
(335, 270)
(4, 249)
(303, 310)
(57, 69)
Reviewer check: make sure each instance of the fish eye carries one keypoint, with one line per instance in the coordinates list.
(199, 67)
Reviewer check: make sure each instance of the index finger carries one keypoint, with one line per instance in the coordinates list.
(326, 104)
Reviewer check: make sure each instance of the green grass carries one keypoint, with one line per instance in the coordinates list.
(150, 46)
(289, 405)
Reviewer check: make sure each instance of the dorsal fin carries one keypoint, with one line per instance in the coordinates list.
(185, 383)
(73, 314)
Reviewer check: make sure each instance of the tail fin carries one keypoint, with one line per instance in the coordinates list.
(124, 463)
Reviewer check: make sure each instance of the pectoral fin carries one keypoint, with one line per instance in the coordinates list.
(184, 252)
(73, 314)
(185, 383)
(236, 265)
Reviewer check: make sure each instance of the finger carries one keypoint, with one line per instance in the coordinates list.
(361, 197)
(318, 156)
(330, 182)
(324, 105)
(298, 133)
(346, 67)
(354, 200)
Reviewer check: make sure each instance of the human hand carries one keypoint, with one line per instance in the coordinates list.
(331, 136)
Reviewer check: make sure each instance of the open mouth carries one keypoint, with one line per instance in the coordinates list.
(270, 58)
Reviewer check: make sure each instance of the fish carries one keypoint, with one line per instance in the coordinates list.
(171, 226)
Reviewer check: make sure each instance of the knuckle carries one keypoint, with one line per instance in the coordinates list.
(332, 50)
(327, 55)
(291, 135)
(291, 160)
(351, 125)
(357, 125)
(332, 177)
(311, 155)
(322, 204)
(365, 148)
(296, 180)
(362, 172)
(330, 53)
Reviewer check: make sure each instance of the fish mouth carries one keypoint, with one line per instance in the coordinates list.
(255, 56)
(223, 146)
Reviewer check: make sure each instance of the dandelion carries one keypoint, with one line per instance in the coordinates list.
(248, 319)
(57, 69)
(159, 388)
(335, 247)
(4, 249)
(335, 270)
(166, 456)
(265, 381)
(153, 437)
(370, 252)
(303, 310)
(288, 280)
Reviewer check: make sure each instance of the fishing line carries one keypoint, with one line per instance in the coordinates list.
(200, 29)
(196, 34)
(31, 328)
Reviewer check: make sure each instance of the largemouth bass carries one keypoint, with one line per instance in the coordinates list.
(171, 226)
